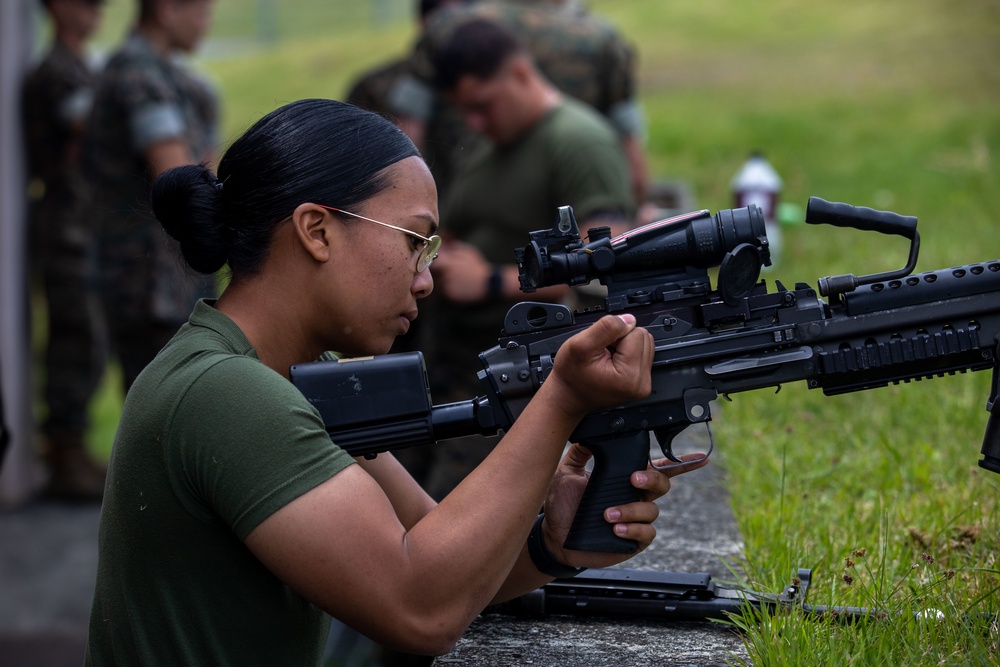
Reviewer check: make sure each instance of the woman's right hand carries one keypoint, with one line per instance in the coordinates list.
(605, 364)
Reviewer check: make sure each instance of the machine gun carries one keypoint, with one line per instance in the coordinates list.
(868, 331)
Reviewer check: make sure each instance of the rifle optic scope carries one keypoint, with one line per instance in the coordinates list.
(668, 249)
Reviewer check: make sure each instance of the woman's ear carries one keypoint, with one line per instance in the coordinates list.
(312, 228)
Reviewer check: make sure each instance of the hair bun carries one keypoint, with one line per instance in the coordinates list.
(188, 203)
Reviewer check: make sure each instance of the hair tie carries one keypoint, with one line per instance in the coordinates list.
(216, 183)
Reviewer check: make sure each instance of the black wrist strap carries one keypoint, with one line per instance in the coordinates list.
(543, 559)
(494, 285)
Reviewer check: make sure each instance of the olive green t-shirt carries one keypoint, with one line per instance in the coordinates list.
(571, 157)
(211, 443)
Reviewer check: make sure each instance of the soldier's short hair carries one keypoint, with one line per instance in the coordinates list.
(427, 7)
(479, 47)
(147, 9)
(48, 3)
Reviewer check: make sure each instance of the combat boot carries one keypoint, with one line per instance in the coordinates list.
(74, 476)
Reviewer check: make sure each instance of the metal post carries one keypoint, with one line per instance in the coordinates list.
(21, 474)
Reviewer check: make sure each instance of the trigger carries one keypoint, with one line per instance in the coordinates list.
(665, 439)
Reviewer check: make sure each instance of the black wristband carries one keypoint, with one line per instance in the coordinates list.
(494, 284)
(543, 559)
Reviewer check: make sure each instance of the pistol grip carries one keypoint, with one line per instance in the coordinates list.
(615, 459)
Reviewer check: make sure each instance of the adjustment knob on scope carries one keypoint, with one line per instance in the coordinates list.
(598, 233)
(602, 259)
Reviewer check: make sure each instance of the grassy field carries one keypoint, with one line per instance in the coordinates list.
(892, 104)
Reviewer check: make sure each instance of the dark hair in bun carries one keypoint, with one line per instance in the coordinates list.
(186, 201)
(323, 151)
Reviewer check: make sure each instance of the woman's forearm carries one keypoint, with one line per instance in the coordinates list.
(408, 499)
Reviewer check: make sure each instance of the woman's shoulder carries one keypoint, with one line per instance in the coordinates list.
(212, 366)
(239, 379)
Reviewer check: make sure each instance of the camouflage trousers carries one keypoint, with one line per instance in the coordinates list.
(62, 268)
(146, 294)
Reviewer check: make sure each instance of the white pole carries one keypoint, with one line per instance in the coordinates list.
(21, 474)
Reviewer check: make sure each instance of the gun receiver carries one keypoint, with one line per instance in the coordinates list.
(870, 331)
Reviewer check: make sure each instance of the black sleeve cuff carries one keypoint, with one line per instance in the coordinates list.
(544, 560)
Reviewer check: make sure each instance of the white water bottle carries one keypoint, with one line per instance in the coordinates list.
(758, 183)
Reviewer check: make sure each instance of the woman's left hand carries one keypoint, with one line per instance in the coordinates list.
(632, 521)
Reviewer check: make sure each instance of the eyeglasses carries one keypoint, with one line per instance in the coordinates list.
(428, 248)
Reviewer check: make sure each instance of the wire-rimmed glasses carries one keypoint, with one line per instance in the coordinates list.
(428, 249)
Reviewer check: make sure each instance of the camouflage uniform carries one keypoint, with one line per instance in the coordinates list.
(56, 97)
(146, 289)
(371, 90)
(580, 54)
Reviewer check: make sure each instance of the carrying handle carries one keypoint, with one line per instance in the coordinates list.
(821, 212)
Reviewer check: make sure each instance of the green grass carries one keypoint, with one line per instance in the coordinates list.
(889, 105)
(892, 104)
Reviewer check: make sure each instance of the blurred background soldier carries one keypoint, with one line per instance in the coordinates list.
(56, 99)
(151, 113)
(376, 91)
(541, 150)
(371, 90)
(579, 53)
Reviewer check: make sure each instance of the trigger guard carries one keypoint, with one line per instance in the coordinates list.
(668, 453)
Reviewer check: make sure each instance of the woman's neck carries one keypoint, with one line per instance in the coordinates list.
(270, 322)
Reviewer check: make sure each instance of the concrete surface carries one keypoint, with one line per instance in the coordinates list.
(48, 564)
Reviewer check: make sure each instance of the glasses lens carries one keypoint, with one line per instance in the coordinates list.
(428, 253)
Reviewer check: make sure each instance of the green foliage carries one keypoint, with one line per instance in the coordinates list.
(892, 104)
(888, 105)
